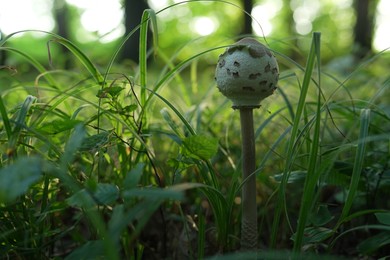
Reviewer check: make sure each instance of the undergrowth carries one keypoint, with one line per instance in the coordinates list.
(106, 163)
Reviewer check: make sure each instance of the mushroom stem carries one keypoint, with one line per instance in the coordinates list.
(249, 207)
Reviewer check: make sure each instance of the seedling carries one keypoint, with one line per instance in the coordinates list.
(247, 73)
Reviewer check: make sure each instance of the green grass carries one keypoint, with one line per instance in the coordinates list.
(107, 163)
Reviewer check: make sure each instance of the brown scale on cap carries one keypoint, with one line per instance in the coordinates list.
(247, 72)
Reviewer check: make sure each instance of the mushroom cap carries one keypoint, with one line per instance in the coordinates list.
(247, 73)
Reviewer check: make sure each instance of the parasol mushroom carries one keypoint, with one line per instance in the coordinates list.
(246, 73)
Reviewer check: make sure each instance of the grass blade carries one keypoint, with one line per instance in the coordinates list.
(358, 163)
(201, 235)
(38, 66)
(5, 118)
(313, 173)
(81, 56)
(294, 134)
(20, 122)
(147, 15)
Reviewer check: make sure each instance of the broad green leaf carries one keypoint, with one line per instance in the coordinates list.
(122, 217)
(57, 126)
(321, 217)
(130, 108)
(73, 145)
(16, 179)
(200, 147)
(180, 164)
(113, 91)
(106, 193)
(175, 128)
(315, 234)
(90, 250)
(383, 218)
(154, 193)
(81, 199)
(96, 141)
(295, 177)
(373, 243)
(118, 221)
(132, 177)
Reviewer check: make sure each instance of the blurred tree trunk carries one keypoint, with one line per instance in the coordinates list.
(364, 27)
(248, 5)
(61, 16)
(133, 15)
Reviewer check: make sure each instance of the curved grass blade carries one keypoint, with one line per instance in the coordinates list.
(20, 122)
(80, 56)
(180, 66)
(358, 163)
(68, 44)
(147, 15)
(188, 126)
(313, 174)
(38, 66)
(4, 117)
(294, 134)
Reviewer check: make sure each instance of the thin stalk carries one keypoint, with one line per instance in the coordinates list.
(249, 208)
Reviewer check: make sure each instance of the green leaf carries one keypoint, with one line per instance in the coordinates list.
(200, 147)
(106, 193)
(175, 128)
(315, 234)
(5, 119)
(122, 217)
(313, 55)
(21, 121)
(90, 250)
(73, 145)
(358, 162)
(118, 221)
(132, 177)
(295, 177)
(57, 126)
(33, 62)
(96, 141)
(81, 56)
(16, 179)
(321, 217)
(372, 244)
(81, 199)
(383, 217)
(153, 193)
(113, 91)
(147, 15)
(130, 108)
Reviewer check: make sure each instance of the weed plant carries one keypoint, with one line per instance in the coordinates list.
(103, 163)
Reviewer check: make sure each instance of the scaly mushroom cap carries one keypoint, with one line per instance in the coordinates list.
(247, 73)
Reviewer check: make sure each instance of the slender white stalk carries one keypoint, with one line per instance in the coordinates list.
(249, 208)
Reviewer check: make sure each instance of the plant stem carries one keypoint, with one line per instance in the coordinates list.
(249, 208)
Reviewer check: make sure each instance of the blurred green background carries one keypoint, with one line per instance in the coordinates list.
(348, 27)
